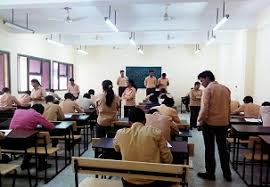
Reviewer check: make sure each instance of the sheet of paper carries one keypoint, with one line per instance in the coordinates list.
(253, 120)
(68, 115)
(6, 132)
(169, 145)
(180, 133)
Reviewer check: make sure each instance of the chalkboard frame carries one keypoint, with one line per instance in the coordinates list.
(143, 71)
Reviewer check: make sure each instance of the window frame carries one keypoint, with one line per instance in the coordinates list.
(8, 69)
(28, 70)
(58, 73)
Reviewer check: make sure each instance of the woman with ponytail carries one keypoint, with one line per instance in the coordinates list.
(129, 97)
(107, 105)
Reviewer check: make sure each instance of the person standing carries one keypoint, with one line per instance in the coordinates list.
(213, 120)
(122, 82)
(195, 104)
(150, 82)
(163, 81)
(129, 97)
(38, 94)
(73, 88)
(107, 105)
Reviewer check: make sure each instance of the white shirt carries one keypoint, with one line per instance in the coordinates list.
(85, 103)
(265, 115)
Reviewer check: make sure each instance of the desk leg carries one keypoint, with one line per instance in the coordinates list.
(234, 149)
(65, 148)
(268, 166)
(261, 163)
(237, 154)
(70, 137)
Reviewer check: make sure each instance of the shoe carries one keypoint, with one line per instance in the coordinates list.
(207, 176)
(228, 178)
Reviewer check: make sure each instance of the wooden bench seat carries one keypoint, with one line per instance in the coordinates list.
(121, 168)
(6, 168)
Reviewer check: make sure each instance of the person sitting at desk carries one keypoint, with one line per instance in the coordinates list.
(25, 99)
(166, 108)
(107, 105)
(234, 105)
(29, 120)
(142, 143)
(265, 113)
(52, 112)
(85, 102)
(55, 95)
(162, 122)
(249, 109)
(7, 100)
(153, 101)
(92, 95)
(69, 105)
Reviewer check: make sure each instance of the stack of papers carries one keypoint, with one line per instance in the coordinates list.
(169, 145)
(253, 120)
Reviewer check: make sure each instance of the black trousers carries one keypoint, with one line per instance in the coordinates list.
(194, 112)
(103, 131)
(121, 91)
(150, 90)
(127, 109)
(154, 184)
(210, 133)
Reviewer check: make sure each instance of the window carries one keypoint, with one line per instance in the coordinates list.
(4, 70)
(62, 72)
(33, 68)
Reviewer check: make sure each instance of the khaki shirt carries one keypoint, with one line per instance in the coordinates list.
(106, 114)
(144, 144)
(75, 90)
(249, 109)
(7, 100)
(129, 96)
(25, 99)
(215, 105)
(38, 95)
(53, 112)
(168, 111)
(195, 97)
(150, 82)
(163, 83)
(122, 81)
(69, 106)
(163, 123)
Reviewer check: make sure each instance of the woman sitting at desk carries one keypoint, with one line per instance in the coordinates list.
(107, 105)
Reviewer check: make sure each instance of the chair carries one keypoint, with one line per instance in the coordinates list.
(254, 156)
(7, 168)
(121, 168)
(43, 149)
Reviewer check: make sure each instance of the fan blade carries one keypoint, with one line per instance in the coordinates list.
(55, 19)
(79, 18)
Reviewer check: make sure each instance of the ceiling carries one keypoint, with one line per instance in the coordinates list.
(191, 19)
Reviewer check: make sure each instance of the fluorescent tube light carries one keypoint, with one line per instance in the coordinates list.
(18, 27)
(140, 51)
(197, 51)
(212, 39)
(54, 42)
(111, 25)
(132, 42)
(221, 22)
(82, 51)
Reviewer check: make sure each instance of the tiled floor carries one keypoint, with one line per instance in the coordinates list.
(66, 177)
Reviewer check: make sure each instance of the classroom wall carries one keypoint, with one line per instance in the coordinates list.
(32, 45)
(262, 65)
(180, 64)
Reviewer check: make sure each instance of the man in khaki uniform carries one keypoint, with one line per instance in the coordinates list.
(150, 83)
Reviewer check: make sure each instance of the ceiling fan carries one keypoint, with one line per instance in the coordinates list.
(166, 16)
(68, 18)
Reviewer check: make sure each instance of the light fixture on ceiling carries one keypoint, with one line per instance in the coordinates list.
(210, 39)
(109, 22)
(81, 51)
(58, 43)
(224, 19)
(17, 26)
(140, 49)
(132, 39)
(197, 50)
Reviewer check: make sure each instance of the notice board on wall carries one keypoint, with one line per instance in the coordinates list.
(138, 74)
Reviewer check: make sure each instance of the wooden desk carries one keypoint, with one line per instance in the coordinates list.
(266, 144)
(178, 148)
(240, 130)
(242, 121)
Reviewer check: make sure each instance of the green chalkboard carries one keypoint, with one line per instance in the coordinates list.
(138, 74)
